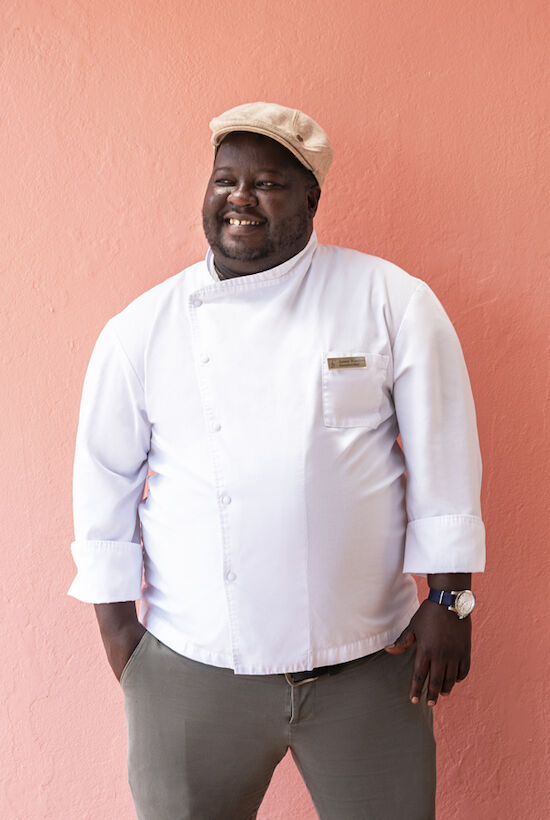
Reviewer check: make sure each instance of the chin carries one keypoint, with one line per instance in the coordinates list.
(239, 252)
(244, 255)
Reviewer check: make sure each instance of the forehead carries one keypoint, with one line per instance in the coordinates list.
(244, 149)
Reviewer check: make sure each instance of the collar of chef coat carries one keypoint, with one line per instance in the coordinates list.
(270, 273)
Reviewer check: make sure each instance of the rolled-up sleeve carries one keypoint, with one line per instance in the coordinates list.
(437, 422)
(110, 467)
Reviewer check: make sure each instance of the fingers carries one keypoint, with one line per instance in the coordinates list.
(420, 671)
(442, 652)
(463, 668)
(441, 678)
(451, 677)
(403, 642)
(435, 682)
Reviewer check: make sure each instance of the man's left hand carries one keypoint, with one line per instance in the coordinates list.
(443, 644)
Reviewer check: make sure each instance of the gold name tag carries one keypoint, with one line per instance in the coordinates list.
(347, 361)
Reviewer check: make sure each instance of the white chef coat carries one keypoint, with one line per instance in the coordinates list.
(278, 530)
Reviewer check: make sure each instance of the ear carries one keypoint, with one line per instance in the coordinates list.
(313, 196)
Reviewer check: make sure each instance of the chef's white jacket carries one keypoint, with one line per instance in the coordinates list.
(282, 520)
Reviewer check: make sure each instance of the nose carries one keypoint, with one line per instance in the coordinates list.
(243, 194)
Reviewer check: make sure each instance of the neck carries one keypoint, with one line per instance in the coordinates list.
(226, 272)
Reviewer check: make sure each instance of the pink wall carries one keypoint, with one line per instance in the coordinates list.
(438, 112)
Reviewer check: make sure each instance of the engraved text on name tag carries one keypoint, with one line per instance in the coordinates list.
(346, 361)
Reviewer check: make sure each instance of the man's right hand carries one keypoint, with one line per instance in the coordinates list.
(120, 631)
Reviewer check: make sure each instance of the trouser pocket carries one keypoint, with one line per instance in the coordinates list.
(132, 659)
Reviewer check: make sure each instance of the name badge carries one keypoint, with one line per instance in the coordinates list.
(346, 361)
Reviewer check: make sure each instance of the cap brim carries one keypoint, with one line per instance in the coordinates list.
(219, 136)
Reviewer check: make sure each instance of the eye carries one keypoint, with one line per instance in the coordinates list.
(223, 182)
(267, 183)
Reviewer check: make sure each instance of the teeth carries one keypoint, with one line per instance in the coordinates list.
(243, 222)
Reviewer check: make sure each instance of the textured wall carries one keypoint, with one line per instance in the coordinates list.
(438, 112)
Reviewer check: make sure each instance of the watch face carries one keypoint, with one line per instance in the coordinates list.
(464, 603)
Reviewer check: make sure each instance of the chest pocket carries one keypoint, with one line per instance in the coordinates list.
(353, 389)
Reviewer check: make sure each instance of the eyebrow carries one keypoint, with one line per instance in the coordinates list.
(260, 171)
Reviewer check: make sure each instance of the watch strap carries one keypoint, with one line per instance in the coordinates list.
(440, 597)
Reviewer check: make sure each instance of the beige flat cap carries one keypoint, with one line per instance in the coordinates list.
(301, 135)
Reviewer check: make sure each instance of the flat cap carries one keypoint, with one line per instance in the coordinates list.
(297, 132)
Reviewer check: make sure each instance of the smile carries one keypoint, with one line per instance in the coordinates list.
(233, 221)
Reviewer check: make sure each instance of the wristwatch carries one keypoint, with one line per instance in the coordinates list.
(461, 602)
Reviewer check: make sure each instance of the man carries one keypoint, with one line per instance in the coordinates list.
(266, 388)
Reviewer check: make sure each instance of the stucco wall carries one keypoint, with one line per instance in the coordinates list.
(438, 112)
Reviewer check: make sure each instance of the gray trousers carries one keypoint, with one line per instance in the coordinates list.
(203, 742)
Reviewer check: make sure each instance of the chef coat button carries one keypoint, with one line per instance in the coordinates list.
(216, 427)
(196, 302)
(226, 499)
(231, 576)
(205, 359)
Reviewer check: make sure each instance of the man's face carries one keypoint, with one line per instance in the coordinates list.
(259, 205)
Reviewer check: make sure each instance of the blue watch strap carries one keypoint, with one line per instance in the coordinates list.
(440, 597)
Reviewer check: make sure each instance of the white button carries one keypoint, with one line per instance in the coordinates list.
(216, 427)
(226, 499)
(205, 359)
(230, 576)
(196, 302)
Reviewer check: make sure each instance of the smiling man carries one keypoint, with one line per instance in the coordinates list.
(253, 224)
(274, 553)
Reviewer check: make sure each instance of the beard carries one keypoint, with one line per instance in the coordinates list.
(289, 235)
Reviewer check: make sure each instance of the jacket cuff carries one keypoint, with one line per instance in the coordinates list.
(107, 571)
(447, 543)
